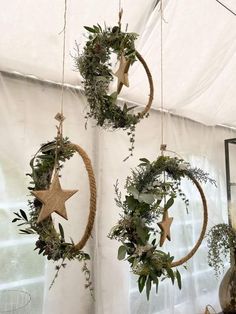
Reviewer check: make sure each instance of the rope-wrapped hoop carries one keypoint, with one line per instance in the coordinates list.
(94, 64)
(152, 189)
(150, 81)
(45, 185)
(92, 186)
(203, 230)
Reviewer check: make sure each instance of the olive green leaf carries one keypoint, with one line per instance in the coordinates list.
(121, 252)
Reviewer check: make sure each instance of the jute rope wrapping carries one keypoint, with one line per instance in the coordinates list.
(204, 226)
(150, 81)
(93, 193)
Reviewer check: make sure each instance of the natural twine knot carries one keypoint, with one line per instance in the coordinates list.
(163, 147)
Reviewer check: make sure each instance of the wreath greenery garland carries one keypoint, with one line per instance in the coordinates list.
(143, 205)
(50, 243)
(95, 67)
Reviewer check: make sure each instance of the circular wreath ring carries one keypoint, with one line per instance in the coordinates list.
(150, 81)
(50, 242)
(152, 188)
(95, 68)
(92, 187)
(203, 230)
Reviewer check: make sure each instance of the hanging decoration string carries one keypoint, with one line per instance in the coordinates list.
(60, 117)
(63, 61)
(120, 13)
(63, 56)
(163, 146)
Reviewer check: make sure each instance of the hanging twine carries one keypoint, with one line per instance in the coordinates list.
(163, 146)
(87, 162)
(59, 116)
(63, 62)
(120, 13)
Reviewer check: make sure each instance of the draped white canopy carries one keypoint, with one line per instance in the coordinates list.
(199, 48)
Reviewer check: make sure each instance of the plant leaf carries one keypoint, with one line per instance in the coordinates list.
(131, 108)
(23, 214)
(114, 95)
(86, 256)
(132, 190)
(141, 282)
(146, 198)
(148, 287)
(171, 274)
(90, 29)
(178, 277)
(132, 202)
(157, 284)
(27, 231)
(169, 203)
(22, 224)
(61, 231)
(17, 214)
(121, 252)
(145, 160)
(15, 219)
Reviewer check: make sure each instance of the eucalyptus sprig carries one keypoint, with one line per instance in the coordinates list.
(151, 189)
(50, 243)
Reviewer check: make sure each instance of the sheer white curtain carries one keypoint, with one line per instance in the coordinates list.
(27, 113)
(202, 146)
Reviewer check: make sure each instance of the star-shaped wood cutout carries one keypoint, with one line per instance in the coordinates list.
(122, 73)
(53, 199)
(165, 227)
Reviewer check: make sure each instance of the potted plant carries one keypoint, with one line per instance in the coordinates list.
(222, 245)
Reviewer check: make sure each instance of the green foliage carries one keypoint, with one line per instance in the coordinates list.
(50, 243)
(121, 252)
(221, 242)
(95, 67)
(151, 189)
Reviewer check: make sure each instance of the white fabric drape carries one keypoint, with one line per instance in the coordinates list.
(27, 110)
(199, 41)
(27, 115)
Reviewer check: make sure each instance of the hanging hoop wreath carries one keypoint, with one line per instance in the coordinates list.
(94, 64)
(151, 192)
(51, 243)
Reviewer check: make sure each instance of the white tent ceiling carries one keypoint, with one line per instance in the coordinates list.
(199, 48)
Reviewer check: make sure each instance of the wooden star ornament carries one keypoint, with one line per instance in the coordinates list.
(122, 73)
(165, 227)
(53, 199)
